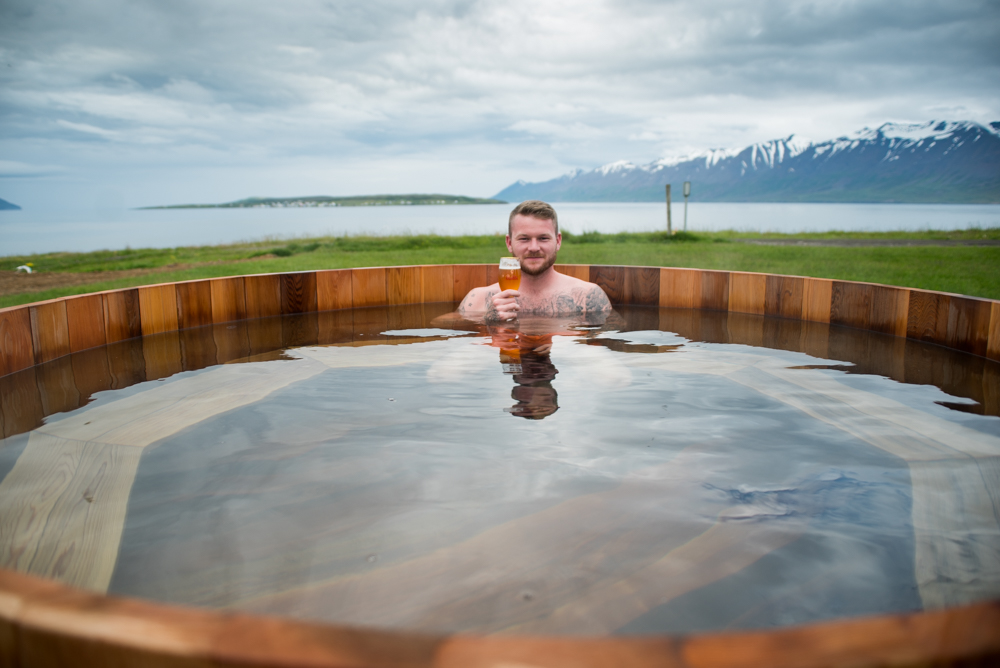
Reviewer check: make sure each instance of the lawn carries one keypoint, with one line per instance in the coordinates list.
(971, 270)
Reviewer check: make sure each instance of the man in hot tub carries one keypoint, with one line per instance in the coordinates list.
(533, 238)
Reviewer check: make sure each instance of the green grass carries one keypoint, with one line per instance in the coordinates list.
(971, 270)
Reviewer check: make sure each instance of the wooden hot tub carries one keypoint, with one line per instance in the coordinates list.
(45, 623)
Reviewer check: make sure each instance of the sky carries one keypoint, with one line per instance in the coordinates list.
(136, 103)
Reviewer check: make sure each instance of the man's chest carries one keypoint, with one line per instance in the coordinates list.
(557, 304)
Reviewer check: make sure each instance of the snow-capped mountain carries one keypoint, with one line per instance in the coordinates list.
(938, 161)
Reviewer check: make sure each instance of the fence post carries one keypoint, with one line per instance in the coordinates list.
(687, 193)
(670, 226)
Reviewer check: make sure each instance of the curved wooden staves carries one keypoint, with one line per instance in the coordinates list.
(43, 622)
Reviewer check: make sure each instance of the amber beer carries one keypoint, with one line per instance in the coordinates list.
(510, 273)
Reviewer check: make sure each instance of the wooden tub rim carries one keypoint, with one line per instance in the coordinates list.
(43, 622)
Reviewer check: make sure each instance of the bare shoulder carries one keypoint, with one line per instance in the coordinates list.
(588, 294)
(477, 301)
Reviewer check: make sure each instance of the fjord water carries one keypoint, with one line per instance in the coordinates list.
(393, 468)
(41, 231)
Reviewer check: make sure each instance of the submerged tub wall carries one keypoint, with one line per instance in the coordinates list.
(45, 623)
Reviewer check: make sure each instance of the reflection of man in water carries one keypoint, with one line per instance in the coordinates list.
(535, 396)
(526, 358)
(533, 237)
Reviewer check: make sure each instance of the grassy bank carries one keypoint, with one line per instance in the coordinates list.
(972, 270)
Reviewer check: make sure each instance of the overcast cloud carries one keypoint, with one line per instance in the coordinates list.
(208, 101)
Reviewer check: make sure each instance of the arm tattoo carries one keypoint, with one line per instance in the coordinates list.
(491, 310)
(597, 301)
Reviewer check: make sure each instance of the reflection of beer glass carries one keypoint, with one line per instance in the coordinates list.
(510, 273)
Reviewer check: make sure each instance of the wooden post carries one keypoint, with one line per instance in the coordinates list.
(670, 227)
(687, 193)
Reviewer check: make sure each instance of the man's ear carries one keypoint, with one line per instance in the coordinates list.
(559, 241)
(509, 248)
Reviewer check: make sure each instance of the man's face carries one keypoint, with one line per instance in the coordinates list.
(534, 242)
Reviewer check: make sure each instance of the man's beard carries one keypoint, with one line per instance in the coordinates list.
(540, 270)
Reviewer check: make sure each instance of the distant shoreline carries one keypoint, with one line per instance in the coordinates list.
(326, 201)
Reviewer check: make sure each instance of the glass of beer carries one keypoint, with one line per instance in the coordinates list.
(510, 273)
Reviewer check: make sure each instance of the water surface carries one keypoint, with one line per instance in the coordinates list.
(667, 471)
(30, 231)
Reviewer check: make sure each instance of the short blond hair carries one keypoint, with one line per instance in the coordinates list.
(535, 209)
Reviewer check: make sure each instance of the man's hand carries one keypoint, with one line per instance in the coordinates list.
(502, 306)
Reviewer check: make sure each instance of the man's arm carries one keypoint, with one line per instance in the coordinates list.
(595, 300)
(472, 303)
(479, 303)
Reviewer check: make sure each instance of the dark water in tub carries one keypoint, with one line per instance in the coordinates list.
(667, 471)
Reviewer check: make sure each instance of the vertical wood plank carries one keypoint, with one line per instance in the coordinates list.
(927, 316)
(49, 331)
(158, 308)
(611, 280)
(714, 290)
(993, 342)
(887, 356)
(20, 402)
(91, 372)
(747, 292)
(228, 299)
(298, 292)
(851, 304)
(369, 323)
(85, 317)
(56, 387)
(264, 335)
(581, 271)
(783, 296)
(991, 389)
(162, 354)
(263, 295)
(122, 314)
(402, 285)
(335, 326)
(678, 320)
(782, 333)
(680, 288)
(231, 341)
(368, 286)
(467, 277)
(407, 316)
(968, 325)
(194, 304)
(197, 350)
(642, 286)
(17, 350)
(815, 339)
(437, 283)
(817, 294)
(299, 329)
(493, 273)
(888, 310)
(745, 328)
(333, 290)
(126, 363)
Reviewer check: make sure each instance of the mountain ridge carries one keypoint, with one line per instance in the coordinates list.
(936, 161)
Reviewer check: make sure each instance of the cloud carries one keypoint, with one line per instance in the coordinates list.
(480, 92)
